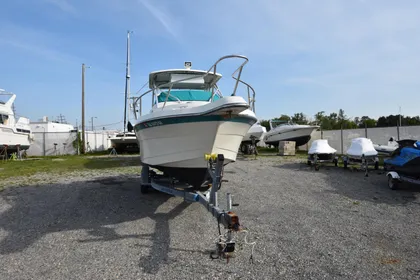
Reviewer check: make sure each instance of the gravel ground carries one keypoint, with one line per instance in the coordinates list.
(330, 224)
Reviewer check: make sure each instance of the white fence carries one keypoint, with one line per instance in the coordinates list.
(61, 143)
(341, 139)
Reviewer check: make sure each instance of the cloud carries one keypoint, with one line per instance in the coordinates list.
(163, 17)
(35, 41)
(63, 5)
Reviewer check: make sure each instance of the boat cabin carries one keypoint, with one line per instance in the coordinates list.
(183, 79)
(184, 85)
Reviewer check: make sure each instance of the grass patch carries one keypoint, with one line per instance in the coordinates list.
(62, 164)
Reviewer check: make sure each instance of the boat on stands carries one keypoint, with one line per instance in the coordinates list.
(14, 135)
(288, 131)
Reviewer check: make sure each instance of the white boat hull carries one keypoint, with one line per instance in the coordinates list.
(301, 136)
(182, 145)
(176, 145)
(13, 138)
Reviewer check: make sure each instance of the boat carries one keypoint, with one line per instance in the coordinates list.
(251, 138)
(405, 160)
(321, 151)
(14, 135)
(288, 131)
(386, 149)
(361, 151)
(257, 131)
(189, 118)
(126, 141)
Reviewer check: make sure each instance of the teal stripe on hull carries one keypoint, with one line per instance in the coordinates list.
(191, 119)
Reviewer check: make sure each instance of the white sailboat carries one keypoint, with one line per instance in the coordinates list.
(126, 140)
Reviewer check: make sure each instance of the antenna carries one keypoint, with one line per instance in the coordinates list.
(187, 65)
(127, 80)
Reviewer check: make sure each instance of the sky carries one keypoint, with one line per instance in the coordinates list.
(362, 56)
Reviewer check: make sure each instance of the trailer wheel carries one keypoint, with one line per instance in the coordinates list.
(376, 165)
(144, 189)
(392, 183)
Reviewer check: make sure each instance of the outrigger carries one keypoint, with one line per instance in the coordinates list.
(209, 199)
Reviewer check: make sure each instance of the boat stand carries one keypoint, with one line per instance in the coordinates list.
(3, 152)
(250, 149)
(113, 151)
(254, 149)
(225, 245)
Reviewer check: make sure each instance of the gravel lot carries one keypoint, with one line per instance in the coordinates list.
(330, 224)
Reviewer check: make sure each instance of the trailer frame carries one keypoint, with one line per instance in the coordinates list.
(208, 198)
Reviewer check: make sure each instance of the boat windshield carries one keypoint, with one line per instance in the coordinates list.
(276, 123)
(186, 95)
(3, 119)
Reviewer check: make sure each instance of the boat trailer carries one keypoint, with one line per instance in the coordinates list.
(363, 160)
(225, 246)
(395, 179)
(315, 160)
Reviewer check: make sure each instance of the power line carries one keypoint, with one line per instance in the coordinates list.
(104, 125)
(108, 124)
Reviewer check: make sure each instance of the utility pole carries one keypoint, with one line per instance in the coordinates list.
(399, 123)
(83, 108)
(77, 137)
(92, 122)
(400, 115)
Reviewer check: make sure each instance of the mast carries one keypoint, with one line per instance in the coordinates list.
(127, 80)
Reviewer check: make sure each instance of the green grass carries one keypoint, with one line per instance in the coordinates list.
(62, 164)
(269, 152)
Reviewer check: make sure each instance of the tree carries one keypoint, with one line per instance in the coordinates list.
(341, 115)
(365, 121)
(283, 118)
(266, 124)
(299, 118)
(319, 117)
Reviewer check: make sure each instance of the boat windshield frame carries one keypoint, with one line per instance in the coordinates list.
(210, 78)
(281, 123)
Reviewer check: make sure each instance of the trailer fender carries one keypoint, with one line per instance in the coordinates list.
(394, 175)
